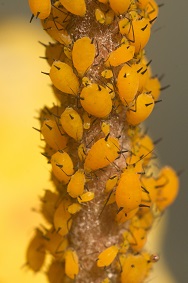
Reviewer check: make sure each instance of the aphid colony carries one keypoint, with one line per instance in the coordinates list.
(108, 188)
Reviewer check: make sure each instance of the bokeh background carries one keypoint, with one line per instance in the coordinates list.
(24, 173)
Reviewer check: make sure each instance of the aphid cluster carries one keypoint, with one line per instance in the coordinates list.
(108, 189)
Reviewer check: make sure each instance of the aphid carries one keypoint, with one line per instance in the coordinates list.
(86, 120)
(109, 17)
(62, 166)
(137, 238)
(120, 6)
(105, 128)
(55, 272)
(144, 104)
(124, 216)
(100, 16)
(35, 255)
(107, 74)
(106, 257)
(128, 191)
(111, 183)
(127, 84)
(71, 263)
(82, 152)
(40, 9)
(76, 7)
(62, 218)
(57, 31)
(102, 153)
(74, 208)
(167, 185)
(85, 197)
(96, 100)
(63, 78)
(76, 184)
(121, 55)
(72, 123)
(83, 54)
(55, 243)
(134, 269)
(54, 134)
(137, 31)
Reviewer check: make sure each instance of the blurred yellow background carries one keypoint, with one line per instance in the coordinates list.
(24, 173)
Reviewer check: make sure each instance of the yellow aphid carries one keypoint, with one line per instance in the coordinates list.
(96, 100)
(83, 54)
(63, 78)
(107, 74)
(62, 166)
(109, 17)
(88, 196)
(105, 128)
(120, 6)
(167, 185)
(134, 269)
(76, 184)
(111, 183)
(40, 9)
(121, 55)
(127, 84)
(71, 263)
(137, 238)
(86, 120)
(57, 31)
(82, 152)
(55, 243)
(124, 216)
(143, 107)
(76, 7)
(106, 257)
(54, 135)
(72, 123)
(74, 208)
(102, 153)
(128, 191)
(35, 255)
(60, 14)
(55, 272)
(62, 218)
(137, 32)
(48, 205)
(100, 16)
(153, 85)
